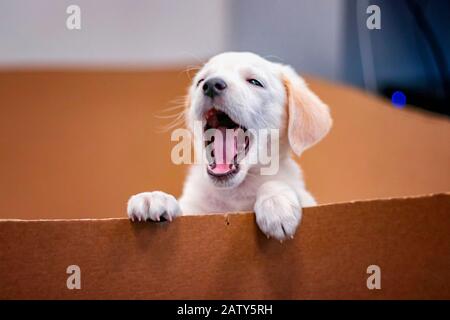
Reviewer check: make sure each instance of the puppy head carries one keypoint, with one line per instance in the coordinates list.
(242, 92)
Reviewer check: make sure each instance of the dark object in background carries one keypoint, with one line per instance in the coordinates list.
(411, 52)
(421, 97)
(431, 98)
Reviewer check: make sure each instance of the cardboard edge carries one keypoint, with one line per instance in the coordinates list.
(226, 215)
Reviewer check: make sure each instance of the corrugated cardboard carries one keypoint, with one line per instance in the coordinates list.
(217, 257)
(78, 144)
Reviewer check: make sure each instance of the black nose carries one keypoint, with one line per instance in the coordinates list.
(213, 87)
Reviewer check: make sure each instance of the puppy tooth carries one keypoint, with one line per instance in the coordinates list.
(235, 159)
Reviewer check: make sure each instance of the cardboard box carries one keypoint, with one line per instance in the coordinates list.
(78, 144)
(217, 257)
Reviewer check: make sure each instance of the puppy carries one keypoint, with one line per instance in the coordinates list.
(243, 91)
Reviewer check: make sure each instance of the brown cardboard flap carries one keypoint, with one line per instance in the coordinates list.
(220, 256)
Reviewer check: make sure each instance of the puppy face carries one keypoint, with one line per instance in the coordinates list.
(240, 93)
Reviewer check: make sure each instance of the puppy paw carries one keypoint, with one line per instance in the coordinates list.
(278, 210)
(153, 206)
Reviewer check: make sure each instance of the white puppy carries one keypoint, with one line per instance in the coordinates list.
(241, 90)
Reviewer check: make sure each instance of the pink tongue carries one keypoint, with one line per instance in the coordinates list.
(224, 150)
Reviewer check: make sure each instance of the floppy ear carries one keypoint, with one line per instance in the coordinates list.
(309, 119)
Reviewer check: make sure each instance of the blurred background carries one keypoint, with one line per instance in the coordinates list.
(81, 110)
(325, 38)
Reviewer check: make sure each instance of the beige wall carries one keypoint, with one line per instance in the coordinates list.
(113, 32)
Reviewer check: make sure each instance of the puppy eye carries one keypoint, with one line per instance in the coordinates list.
(199, 81)
(255, 82)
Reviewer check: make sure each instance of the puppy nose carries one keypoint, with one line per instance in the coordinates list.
(213, 87)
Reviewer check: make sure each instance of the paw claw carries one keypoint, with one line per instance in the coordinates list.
(153, 206)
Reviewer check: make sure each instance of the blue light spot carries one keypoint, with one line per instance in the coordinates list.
(398, 99)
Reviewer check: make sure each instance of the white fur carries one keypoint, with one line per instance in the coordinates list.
(277, 200)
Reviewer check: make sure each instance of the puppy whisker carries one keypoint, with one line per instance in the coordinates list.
(176, 122)
(188, 70)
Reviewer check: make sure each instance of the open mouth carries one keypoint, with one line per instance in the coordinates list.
(227, 146)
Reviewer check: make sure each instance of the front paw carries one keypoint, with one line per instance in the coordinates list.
(278, 211)
(153, 206)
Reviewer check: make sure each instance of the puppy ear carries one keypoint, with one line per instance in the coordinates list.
(309, 118)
